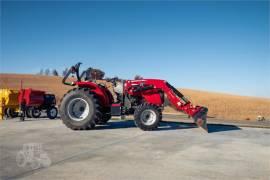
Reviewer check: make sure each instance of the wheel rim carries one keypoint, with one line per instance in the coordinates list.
(148, 117)
(36, 112)
(78, 109)
(53, 112)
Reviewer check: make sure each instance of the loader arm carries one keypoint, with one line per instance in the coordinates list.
(176, 99)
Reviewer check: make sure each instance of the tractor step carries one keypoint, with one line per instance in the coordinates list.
(116, 110)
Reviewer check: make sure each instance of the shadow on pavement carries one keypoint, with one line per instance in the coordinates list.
(117, 125)
(165, 126)
(175, 125)
(212, 128)
(41, 118)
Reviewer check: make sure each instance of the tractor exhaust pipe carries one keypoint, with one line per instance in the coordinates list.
(200, 118)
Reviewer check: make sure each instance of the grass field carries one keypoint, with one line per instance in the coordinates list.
(223, 106)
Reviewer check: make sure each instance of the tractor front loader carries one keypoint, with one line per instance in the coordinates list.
(91, 103)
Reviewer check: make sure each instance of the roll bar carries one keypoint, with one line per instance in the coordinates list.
(76, 70)
(73, 70)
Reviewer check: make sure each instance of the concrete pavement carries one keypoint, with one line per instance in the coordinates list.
(122, 151)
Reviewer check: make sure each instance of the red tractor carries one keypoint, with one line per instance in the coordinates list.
(33, 102)
(91, 103)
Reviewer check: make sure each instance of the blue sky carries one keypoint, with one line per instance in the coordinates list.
(207, 45)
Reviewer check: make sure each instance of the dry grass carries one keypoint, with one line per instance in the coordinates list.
(46, 83)
(219, 105)
(229, 107)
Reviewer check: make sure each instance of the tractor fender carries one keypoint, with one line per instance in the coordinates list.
(103, 95)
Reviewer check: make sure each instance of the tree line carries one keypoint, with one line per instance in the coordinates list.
(52, 72)
(90, 73)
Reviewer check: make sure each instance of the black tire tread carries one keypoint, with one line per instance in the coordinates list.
(91, 123)
(28, 113)
(49, 114)
(32, 113)
(11, 113)
(104, 119)
(138, 112)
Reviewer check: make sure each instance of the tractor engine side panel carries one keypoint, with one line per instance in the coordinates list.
(150, 90)
(154, 98)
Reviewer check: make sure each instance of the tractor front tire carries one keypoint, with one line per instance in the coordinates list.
(52, 112)
(147, 117)
(79, 109)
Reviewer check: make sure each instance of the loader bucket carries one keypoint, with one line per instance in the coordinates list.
(200, 118)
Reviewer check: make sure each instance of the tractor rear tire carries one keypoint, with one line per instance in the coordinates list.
(35, 113)
(52, 112)
(147, 117)
(79, 109)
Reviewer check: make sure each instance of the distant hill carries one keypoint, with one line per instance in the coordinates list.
(220, 105)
